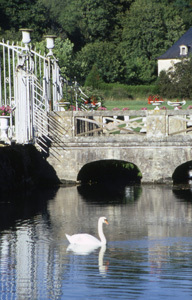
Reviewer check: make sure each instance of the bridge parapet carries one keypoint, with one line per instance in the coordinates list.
(156, 142)
(152, 124)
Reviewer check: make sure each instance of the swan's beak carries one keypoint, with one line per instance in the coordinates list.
(106, 222)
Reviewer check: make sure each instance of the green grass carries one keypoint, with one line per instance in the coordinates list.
(131, 104)
(136, 104)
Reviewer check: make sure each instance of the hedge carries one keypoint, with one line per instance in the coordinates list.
(122, 91)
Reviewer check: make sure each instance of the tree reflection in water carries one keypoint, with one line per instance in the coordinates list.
(23, 205)
(110, 194)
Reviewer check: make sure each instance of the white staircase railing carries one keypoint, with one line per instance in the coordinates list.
(31, 84)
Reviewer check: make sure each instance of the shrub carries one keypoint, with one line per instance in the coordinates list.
(177, 82)
(122, 91)
(93, 79)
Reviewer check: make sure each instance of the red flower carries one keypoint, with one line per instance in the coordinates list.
(156, 98)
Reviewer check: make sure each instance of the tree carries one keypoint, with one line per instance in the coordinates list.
(63, 51)
(105, 56)
(86, 21)
(177, 82)
(146, 34)
(93, 79)
(98, 19)
(18, 14)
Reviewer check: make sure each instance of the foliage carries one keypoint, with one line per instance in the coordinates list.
(63, 51)
(121, 38)
(16, 14)
(165, 86)
(177, 83)
(93, 79)
(122, 91)
(94, 94)
(146, 35)
(106, 58)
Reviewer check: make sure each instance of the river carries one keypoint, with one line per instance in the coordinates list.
(148, 254)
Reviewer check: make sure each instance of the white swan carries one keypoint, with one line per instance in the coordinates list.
(87, 239)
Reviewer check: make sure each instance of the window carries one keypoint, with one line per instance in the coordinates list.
(183, 50)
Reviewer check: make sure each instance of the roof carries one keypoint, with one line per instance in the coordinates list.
(174, 51)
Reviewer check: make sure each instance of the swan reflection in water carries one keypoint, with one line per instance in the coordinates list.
(88, 249)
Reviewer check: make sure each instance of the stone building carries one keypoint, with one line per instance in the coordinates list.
(180, 49)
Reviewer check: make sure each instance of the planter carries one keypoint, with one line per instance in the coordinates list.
(4, 125)
(157, 104)
(176, 104)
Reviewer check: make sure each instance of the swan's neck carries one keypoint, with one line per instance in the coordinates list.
(100, 232)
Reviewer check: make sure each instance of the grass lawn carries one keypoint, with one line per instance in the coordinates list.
(137, 104)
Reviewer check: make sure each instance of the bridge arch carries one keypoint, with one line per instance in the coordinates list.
(109, 171)
(183, 173)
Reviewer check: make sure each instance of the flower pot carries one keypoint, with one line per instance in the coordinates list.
(157, 103)
(176, 104)
(4, 125)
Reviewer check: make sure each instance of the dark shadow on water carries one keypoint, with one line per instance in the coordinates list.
(22, 206)
(110, 193)
(183, 192)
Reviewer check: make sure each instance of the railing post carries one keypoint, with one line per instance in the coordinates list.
(24, 93)
(156, 123)
(51, 72)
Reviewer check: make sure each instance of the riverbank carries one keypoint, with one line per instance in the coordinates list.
(23, 167)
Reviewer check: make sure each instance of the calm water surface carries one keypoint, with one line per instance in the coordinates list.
(148, 255)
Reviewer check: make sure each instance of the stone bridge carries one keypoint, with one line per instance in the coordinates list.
(158, 142)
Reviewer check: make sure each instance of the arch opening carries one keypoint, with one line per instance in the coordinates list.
(109, 172)
(183, 174)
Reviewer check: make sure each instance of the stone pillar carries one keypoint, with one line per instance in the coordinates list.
(65, 119)
(176, 125)
(156, 123)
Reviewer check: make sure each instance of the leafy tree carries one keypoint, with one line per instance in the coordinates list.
(68, 14)
(147, 28)
(93, 79)
(185, 9)
(122, 38)
(18, 14)
(63, 51)
(177, 82)
(105, 56)
(165, 85)
(99, 19)
(140, 70)
(174, 26)
(86, 21)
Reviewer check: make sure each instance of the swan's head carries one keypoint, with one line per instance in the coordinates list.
(104, 220)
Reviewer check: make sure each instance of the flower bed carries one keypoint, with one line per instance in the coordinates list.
(5, 110)
(154, 99)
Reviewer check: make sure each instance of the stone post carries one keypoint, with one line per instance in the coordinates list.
(156, 123)
(177, 125)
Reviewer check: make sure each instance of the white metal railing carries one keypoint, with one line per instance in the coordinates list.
(30, 83)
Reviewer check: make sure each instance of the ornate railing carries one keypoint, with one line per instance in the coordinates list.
(142, 123)
(31, 84)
